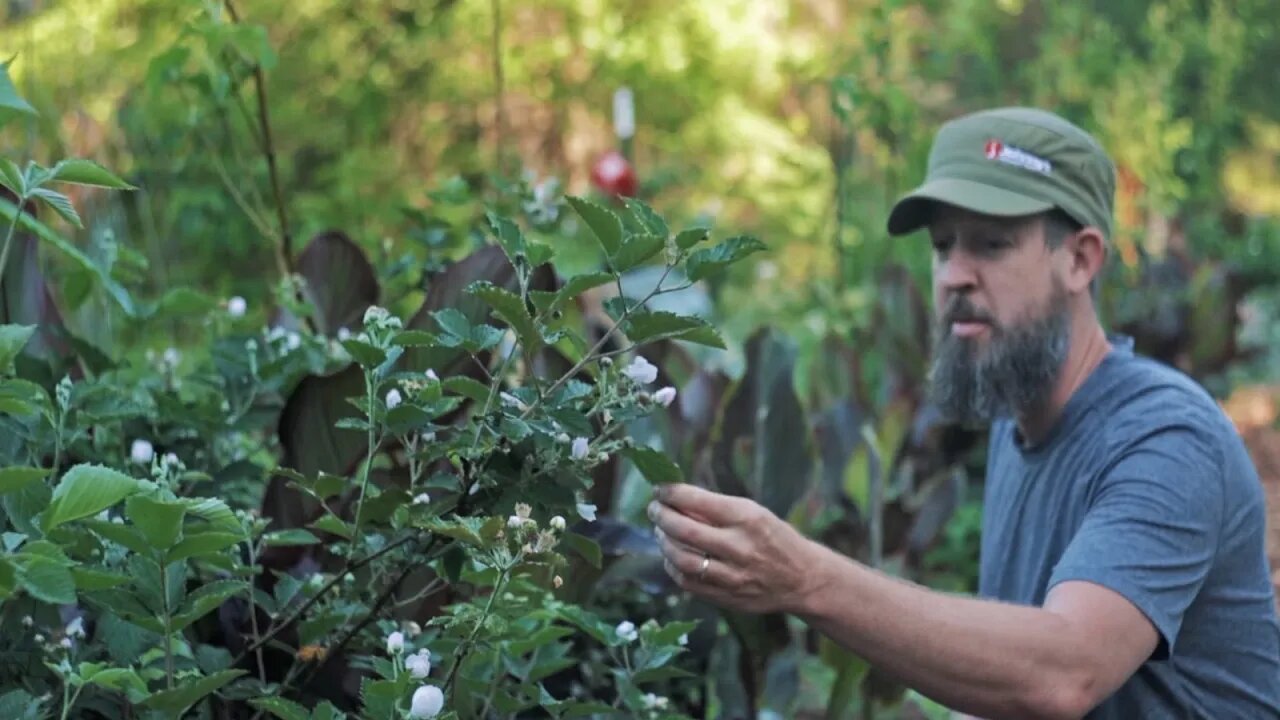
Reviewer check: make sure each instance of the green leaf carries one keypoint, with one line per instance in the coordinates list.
(414, 338)
(121, 679)
(87, 172)
(645, 327)
(453, 322)
(467, 387)
(8, 211)
(11, 104)
(185, 301)
(281, 708)
(11, 177)
(206, 600)
(13, 479)
(120, 534)
(686, 239)
(216, 512)
(12, 339)
(466, 529)
(333, 524)
(578, 285)
(60, 204)
(605, 225)
(199, 544)
(511, 309)
(288, 538)
(545, 636)
(379, 698)
(655, 466)
(46, 580)
(651, 221)
(176, 702)
(367, 355)
(159, 522)
(586, 547)
(90, 579)
(637, 249)
(87, 490)
(708, 261)
(509, 237)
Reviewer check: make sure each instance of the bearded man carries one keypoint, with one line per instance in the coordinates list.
(1123, 571)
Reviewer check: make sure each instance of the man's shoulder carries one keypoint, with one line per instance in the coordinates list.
(1136, 391)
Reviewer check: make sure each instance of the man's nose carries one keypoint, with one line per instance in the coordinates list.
(957, 273)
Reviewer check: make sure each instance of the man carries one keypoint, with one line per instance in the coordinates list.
(1123, 571)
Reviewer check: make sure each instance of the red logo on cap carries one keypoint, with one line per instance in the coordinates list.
(993, 149)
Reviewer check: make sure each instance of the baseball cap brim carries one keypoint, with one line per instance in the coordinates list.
(913, 211)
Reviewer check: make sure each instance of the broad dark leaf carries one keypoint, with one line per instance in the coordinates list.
(341, 283)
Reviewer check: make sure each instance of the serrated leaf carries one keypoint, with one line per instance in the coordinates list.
(11, 104)
(291, 537)
(509, 237)
(636, 249)
(45, 579)
(363, 353)
(87, 490)
(645, 327)
(60, 204)
(651, 221)
(201, 544)
(90, 579)
(175, 703)
(11, 177)
(379, 697)
(686, 239)
(119, 534)
(655, 466)
(214, 511)
(205, 600)
(121, 679)
(414, 338)
(545, 636)
(603, 223)
(453, 322)
(12, 339)
(465, 529)
(281, 708)
(13, 479)
(708, 261)
(586, 547)
(159, 522)
(579, 284)
(467, 387)
(333, 524)
(87, 172)
(351, 423)
(511, 309)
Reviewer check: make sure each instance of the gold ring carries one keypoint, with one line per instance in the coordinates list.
(706, 561)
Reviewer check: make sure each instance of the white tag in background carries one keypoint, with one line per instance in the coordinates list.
(624, 113)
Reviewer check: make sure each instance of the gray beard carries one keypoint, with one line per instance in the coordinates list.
(1014, 375)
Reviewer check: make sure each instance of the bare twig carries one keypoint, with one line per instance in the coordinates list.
(498, 82)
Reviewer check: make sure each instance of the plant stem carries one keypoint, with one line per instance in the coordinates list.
(465, 647)
(253, 615)
(8, 238)
(368, 460)
(168, 625)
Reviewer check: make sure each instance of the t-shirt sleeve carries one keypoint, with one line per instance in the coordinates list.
(1152, 528)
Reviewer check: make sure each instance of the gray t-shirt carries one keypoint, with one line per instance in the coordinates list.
(1144, 487)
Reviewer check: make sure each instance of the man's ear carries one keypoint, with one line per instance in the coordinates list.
(1087, 252)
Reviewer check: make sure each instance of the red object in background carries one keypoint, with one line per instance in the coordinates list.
(612, 174)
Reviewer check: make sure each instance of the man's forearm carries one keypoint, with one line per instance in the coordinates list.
(985, 658)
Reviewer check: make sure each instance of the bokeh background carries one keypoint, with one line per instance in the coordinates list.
(796, 121)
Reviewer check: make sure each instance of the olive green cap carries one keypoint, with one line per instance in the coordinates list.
(1013, 161)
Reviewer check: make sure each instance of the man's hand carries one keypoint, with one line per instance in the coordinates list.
(754, 561)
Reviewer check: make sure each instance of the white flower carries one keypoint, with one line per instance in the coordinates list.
(665, 396)
(418, 664)
(39, 638)
(431, 374)
(343, 334)
(66, 643)
(587, 511)
(141, 452)
(641, 371)
(393, 398)
(513, 401)
(75, 628)
(171, 357)
(27, 621)
(421, 499)
(655, 702)
(395, 643)
(374, 314)
(627, 630)
(236, 306)
(428, 437)
(684, 639)
(414, 630)
(557, 523)
(563, 438)
(428, 701)
(579, 448)
(294, 341)
(515, 521)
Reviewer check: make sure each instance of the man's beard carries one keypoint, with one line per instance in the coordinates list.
(1015, 372)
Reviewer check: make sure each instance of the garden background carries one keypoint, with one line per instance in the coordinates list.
(200, 401)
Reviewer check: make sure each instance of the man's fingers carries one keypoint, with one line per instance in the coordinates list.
(688, 564)
(688, 531)
(711, 507)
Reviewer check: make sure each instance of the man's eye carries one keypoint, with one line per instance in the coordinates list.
(992, 245)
